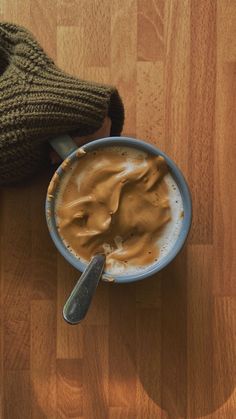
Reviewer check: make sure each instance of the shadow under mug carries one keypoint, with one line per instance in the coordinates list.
(67, 149)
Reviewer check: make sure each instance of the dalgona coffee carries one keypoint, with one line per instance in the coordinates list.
(122, 202)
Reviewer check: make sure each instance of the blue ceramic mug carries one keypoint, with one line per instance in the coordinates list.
(67, 149)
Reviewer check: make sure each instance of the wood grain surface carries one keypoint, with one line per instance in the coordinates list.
(165, 347)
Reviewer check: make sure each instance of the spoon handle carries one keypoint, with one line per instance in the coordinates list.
(77, 305)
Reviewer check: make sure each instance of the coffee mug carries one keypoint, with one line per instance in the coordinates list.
(67, 150)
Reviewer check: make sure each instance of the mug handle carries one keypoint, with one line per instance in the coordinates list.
(63, 145)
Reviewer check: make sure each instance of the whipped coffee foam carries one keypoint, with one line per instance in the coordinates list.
(172, 211)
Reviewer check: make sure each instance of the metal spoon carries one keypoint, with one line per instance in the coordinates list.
(77, 305)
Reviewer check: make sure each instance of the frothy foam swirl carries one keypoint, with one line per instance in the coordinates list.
(120, 201)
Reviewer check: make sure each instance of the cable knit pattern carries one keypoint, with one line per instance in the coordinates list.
(39, 101)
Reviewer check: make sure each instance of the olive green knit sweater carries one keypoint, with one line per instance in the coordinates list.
(39, 101)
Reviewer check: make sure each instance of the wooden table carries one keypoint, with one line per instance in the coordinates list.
(163, 348)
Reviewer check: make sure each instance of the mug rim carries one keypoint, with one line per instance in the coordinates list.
(183, 188)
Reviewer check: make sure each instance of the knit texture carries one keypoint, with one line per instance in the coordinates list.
(39, 101)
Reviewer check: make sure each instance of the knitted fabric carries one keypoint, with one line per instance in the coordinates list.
(39, 101)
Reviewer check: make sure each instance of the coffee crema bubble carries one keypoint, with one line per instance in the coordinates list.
(122, 202)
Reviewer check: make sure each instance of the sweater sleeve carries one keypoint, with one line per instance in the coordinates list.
(39, 101)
